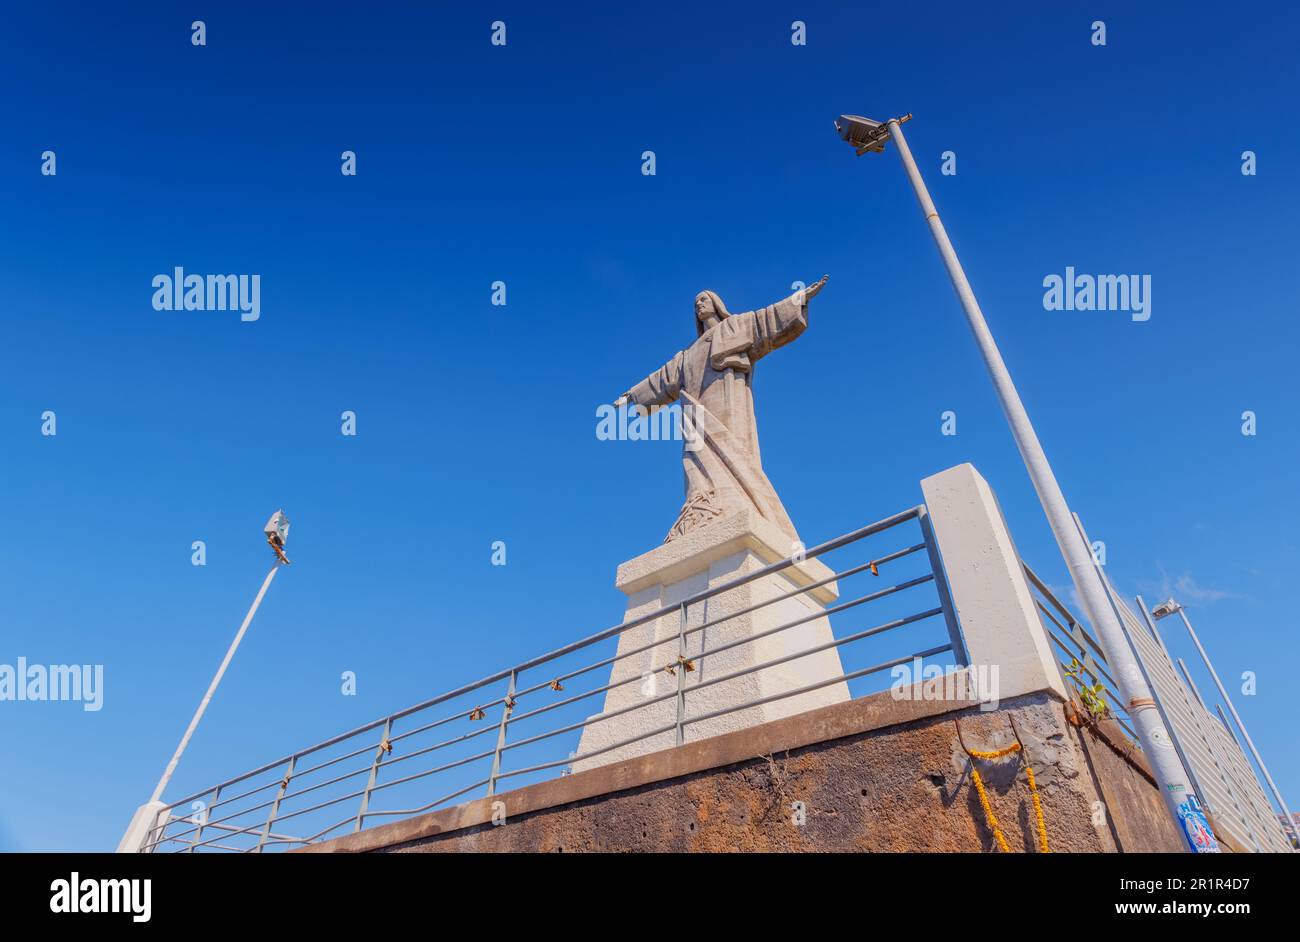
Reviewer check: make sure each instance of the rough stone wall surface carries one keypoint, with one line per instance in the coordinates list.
(900, 788)
(1135, 815)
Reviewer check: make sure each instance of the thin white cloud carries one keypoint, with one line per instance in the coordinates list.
(1184, 589)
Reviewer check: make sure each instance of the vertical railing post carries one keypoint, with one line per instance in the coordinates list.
(381, 750)
(681, 674)
(941, 587)
(275, 805)
(153, 837)
(501, 733)
(207, 813)
(1000, 626)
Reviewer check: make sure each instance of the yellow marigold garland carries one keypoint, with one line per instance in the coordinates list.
(1014, 747)
(988, 810)
(1038, 809)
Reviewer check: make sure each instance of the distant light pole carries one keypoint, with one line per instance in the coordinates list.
(866, 135)
(1170, 607)
(142, 826)
(277, 531)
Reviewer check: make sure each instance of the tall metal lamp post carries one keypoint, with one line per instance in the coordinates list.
(1170, 607)
(142, 823)
(868, 136)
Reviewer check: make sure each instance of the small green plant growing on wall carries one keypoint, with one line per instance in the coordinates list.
(1092, 695)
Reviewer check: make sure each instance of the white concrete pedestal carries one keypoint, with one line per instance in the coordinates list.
(704, 559)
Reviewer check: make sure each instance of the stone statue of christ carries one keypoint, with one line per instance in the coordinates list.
(714, 378)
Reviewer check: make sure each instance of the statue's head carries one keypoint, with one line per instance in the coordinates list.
(709, 310)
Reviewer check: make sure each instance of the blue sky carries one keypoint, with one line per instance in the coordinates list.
(476, 423)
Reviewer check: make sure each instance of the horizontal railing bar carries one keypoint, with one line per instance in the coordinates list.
(845, 606)
(671, 726)
(878, 526)
(1074, 649)
(887, 626)
(442, 768)
(455, 794)
(1072, 653)
(225, 827)
(826, 547)
(871, 597)
(299, 773)
(1060, 607)
(446, 742)
(333, 781)
(323, 804)
(803, 590)
(585, 695)
(296, 775)
(229, 817)
(317, 835)
(854, 675)
(817, 649)
(251, 791)
(595, 752)
(290, 795)
(444, 721)
(252, 828)
(592, 720)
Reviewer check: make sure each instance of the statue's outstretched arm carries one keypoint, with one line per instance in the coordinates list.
(814, 289)
(660, 388)
(778, 324)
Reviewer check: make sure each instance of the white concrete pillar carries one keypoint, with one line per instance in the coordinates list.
(707, 559)
(137, 832)
(990, 593)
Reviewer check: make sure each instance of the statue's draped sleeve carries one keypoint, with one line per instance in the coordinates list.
(661, 387)
(742, 339)
(776, 325)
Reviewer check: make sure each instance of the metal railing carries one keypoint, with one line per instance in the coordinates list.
(1078, 646)
(464, 736)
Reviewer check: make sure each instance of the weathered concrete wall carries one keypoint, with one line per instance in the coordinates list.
(874, 774)
(1136, 818)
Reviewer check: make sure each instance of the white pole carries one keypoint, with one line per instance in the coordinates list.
(1179, 796)
(212, 687)
(1259, 760)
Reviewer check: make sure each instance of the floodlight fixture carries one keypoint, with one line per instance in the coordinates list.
(864, 134)
(1165, 609)
(277, 532)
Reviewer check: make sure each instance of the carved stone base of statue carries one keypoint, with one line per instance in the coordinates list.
(695, 561)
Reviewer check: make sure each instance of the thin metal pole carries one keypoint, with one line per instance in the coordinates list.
(212, 687)
(681, 675)
(506, 707)
(1288, 828)
(1259, 760)
(1180, 798)
(381, 750)
(1209, 737)
(1196, 720)
(275, 805)
(207, 812)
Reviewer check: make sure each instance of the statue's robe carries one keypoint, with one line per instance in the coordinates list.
(714, 378)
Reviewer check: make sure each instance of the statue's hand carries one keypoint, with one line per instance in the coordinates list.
(814, 289)
(622, 400)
